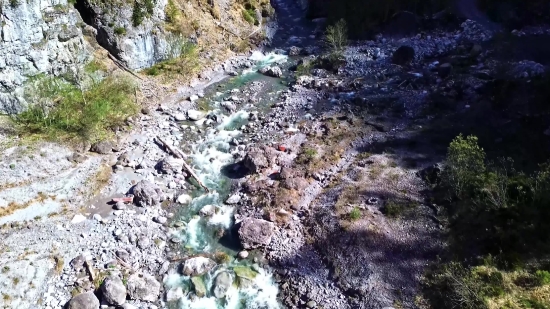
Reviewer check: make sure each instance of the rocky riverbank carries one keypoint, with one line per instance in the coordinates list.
(316, 188)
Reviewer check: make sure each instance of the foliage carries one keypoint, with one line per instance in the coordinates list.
(61, 109)
(182, 58)
(336, 37)
(465, 165)
(307, 155)
(248, 15)
(15, 3)
(120, 30)
(355, 214)
(304, 69)
(141, 11)
(94, 66)
(543, 277)
(172, 12)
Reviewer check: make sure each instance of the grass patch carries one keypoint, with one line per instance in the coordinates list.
(120, 30)
(355, 214)
(183, 59)
(307, 155)
(62, 110)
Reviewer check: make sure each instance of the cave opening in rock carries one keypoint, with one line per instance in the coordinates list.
(86, 12)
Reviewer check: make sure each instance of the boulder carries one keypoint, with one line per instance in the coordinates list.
(255, 160)
(184, 199)
(254, 233)
(195, 115)
(294, 51)
(197, 266)
(113, 291)
(102, 147)
(146, 193)
(233, 199)
(274, 71)
(221, 284)
(84, 301)
(143, 287)
(243, 254)
(170, 165)
(403, 55)
(444, 70)
(207, 210)
(198, 284)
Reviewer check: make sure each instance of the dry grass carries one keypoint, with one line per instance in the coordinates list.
(59, 263)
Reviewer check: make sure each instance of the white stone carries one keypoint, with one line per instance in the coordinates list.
(77, 219)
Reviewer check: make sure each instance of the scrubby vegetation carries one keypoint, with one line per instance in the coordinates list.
(142, 10)
(61, 109)
(498, 221)
(182, 59)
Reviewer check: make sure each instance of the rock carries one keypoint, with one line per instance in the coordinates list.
(233, 199)
(160, 219)
(221, 284)
(274, 71)
(197, 266)
(304, 80)
(102, 147)
(254, 233)
(198, 284)
(195, 115)
(77, 219)
(170, 165)
(84, 301)
(444, 70)
(184, 199)
(403, 55)
(113, 291)
(77, 157)
(78, 262)
(245, 272)
(145, 110)
(476, 50)
(120, 206)
(179, 117)
(255, 160)
(311, 304)
(142, 286)
(146, 193)
(294, 51)
(128, 306)
(207, 210)
(243, 254)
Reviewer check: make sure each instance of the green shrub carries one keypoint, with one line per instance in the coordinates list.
(249, 17)
(543, 277)
(172, 12)
(465, 165)
(149, 6)
(15, 3)
(307, 155)
(336, 37)
(62, 109)
(355, 214)
(393, 209)
(120, 30)
(138, 14)
(304, 69)
(182, 59)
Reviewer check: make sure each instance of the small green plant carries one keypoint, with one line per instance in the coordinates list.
(12, 166)
(120, 30)
(355, 214)
(393, 209)
(138, 14)
(336, 37)
(543, 277)
(16, 280)
(465, 165)
(304, 69)
(15, 3)
(5, 297)
(172, 12)
(307, 155)
(5, 269)
(92, 67)
(248, 17)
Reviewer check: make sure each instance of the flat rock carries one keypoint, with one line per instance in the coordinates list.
(142, 286)
(195, 115)
(254, 233)
(84, 301)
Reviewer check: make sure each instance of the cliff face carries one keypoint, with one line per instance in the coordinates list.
(37, 36)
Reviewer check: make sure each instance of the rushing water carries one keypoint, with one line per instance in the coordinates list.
(253, 287)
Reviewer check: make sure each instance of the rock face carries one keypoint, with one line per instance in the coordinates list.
(221, 284)
(403, 55)
(37, 37)
(113, 291)
(146, 193)
(197, 266)
(137, 42)
(254, 233)
(143, 287)
(84, 301)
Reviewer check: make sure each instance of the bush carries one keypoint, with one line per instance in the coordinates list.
(61, 109)
(543, 277)
(465, 165)
(307, 155)
(14, 3)
(336, 37)
(249, 17)
(120, 30)
(355, 214)
(182, 59)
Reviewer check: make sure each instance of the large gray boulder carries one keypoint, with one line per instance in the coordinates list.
(254, 233)
(102, 147)
(142, 286)
(84, 301)
(274, 71)
(197, 266)
(147, 193)
(113, 291)
(170, 165)
(255, 160)
(221, 284)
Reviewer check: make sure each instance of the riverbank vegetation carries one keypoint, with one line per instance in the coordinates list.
(498, 233)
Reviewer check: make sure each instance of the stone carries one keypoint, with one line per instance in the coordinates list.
(311, 304)
(403, 55)
(294, 51)
(243, 254)
(198, 285)
(143, 242)
(221, 284)
(78, 219)
(207, 211)
(78, 262)
(179, 117)
(146, 194)
(255, 160)
(145, 110)
(84, 301)
(160, 219)
(184, 199)
(77, 157)
(113, 291)
(170, 165)
(195, 115)
(142, 286)
(233, 199)
(197, 266)
(102, 147)
(274, 71)
(255, 233)
(444, 70)
(120, 206)
(174, 294)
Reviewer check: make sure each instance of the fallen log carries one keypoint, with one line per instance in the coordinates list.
(178, 154)
(123, 199)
